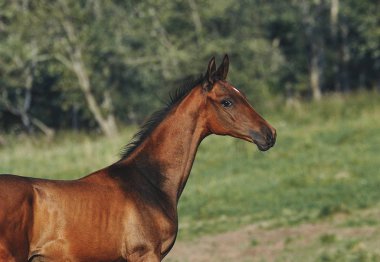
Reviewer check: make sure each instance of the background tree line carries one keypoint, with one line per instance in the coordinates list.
(75, 64)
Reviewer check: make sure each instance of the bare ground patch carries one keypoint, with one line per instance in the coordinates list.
(305, 242)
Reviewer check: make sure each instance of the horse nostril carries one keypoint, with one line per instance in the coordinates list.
(268, 133)
(271, 136)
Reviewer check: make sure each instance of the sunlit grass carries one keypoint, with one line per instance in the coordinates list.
(68, 156)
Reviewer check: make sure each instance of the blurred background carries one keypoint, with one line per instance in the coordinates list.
(77, 77)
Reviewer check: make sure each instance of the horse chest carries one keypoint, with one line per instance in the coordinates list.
(168, 234)
(149, 229)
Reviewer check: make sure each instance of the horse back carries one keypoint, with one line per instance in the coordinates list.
(16, 215)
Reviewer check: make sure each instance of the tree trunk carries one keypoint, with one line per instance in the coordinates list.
(344, 59)
(334, 16)
(25, 118)
(377, 81)
(315, 71)
(105, 121)
(315, 43)
(2, 140)
(49, 132)
(334, 21)
(196, 19)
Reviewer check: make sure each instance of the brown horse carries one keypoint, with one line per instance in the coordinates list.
(127, 211)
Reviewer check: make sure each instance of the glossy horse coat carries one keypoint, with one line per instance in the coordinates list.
(127, 211)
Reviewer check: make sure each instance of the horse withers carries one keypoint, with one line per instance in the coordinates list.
(128, 210)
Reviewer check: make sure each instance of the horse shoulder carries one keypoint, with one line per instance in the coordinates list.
(16, 208)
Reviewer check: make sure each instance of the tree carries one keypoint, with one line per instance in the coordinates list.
(90, 64)
(20, 56)
(69, 46)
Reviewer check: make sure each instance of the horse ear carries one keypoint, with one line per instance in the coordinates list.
(209, 77)
(222, 71)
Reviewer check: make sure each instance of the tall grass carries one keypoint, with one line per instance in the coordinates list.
(326, 160)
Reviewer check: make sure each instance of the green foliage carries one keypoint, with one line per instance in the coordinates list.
(254, 242)
(350, 252)
(134, 51)
(327, 239)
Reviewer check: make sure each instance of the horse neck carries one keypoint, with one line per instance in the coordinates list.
(167, 155)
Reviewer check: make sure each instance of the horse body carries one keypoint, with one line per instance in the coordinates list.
(127, 211)
(60, 213)
(80, 220)
(16, 217)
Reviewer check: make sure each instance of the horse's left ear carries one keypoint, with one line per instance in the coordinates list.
(222, 71)
(210, 75)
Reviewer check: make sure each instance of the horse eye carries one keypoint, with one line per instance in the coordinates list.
(226, 103)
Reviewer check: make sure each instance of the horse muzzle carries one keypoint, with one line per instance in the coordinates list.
(265, 139)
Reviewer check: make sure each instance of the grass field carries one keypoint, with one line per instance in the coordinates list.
(326, 162)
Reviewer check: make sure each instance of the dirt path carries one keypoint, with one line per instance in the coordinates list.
(257, 243)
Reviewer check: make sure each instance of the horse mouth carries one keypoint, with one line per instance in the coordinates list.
(262, 143)
(263, 147)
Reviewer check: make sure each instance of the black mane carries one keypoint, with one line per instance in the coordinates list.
(146, 129)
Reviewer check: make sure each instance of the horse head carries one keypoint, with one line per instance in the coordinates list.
(228, 111)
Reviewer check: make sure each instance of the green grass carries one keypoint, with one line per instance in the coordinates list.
(333, 248)
(343, 241)
(326, 161)
(68, 156)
